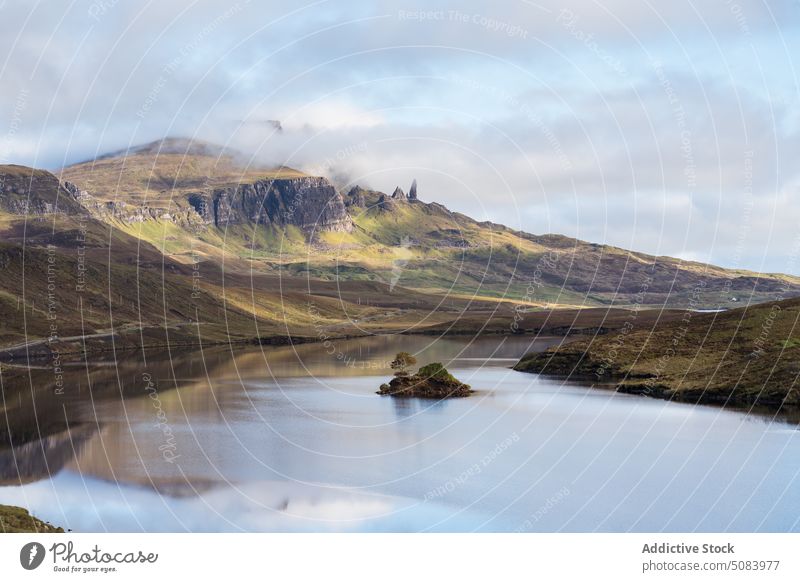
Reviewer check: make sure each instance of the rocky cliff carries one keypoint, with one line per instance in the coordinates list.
(373, 199)
(310, 203)
(34, 192)
(200, 185)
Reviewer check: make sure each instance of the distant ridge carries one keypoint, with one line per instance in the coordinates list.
(180, 194)
(172, 145)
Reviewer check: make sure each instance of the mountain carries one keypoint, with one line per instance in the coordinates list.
(745, 356)
(280, 219)
(179, 241)
(193, 184)
(78, 277)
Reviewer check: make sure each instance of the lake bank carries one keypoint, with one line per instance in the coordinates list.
(743, 357)
(18, 520)
(536, 323)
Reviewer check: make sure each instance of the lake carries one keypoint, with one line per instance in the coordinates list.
(294, 438)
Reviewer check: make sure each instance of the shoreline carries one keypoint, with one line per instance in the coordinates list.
(764, 406)
(15, 519)
(13, 360)
(747, 357)
(561, 323)
(557, 323)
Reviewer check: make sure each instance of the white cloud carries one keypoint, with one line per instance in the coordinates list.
(329, 115)
(510, 112)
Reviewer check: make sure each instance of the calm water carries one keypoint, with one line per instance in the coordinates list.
(295, 439)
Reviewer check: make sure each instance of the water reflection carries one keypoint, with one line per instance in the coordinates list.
(295, 437)
(38, 459)
(45, 425)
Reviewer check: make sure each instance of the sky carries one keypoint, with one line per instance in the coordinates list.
(669, 128)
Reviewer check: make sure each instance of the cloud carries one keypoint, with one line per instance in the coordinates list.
(628, 122)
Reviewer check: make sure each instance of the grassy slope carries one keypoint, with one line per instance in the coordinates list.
(116, 292)
(127, 293)
(451, 252)
(17, 520)
(146, 297)
(744, 356)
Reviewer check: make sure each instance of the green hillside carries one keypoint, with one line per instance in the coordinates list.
(745, 356)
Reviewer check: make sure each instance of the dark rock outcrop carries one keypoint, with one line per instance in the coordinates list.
(385, 203)
(356, 196)
(399, 195)
(35, 192)
(120, 210)
(309, 203)
(412, 194)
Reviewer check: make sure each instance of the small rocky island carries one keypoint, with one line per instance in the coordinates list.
(430, 381)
